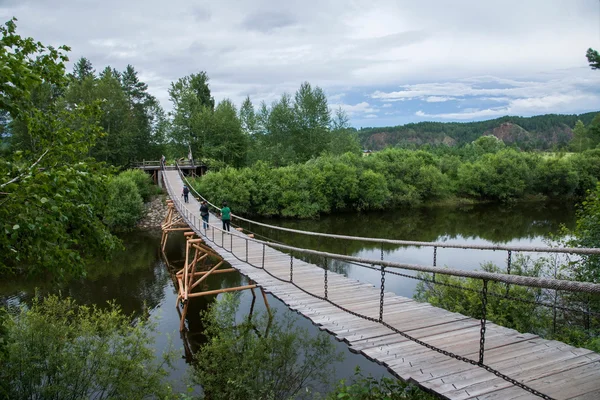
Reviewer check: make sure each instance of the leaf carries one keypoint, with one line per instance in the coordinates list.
(16, 226)
(44, 200)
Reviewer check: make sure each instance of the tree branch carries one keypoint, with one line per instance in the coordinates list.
(18, 178)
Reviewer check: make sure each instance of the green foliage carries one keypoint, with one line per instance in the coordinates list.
(52, 196)
(295, 129)
(260, 358)
(60, 350)
(133, 123)
(369, 388)
(124, 205)
(525, 314)
(593, 58)
(503, 176)
(396, 178)
(142, 181)
(522, 316)
(587, 234)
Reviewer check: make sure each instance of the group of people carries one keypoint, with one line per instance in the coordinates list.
(225, 211)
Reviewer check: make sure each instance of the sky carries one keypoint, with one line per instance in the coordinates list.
(384, 62)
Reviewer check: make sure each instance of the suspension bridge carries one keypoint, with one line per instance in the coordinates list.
(452, 355)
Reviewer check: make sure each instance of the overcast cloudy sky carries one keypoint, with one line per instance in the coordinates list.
(385, 62)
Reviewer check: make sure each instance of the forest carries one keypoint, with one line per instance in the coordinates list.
(542, 132)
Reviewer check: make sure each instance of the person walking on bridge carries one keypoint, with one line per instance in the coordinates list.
(226, 216)
(204, 214)
(186, 192)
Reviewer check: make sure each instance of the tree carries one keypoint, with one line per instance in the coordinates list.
(312, 118)
(248, 117)
(192, 114)
(580, 141)
(227, 142)
(593, 58)
(83, 69)
(488, 144)
(52, 195)
(344, 138)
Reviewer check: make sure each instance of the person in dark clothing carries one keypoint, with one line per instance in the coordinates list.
(204, 214)
(226, 216)
(186, 192)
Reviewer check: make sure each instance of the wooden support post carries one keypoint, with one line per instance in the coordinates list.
(199, 281)
(219, 271)
(185, 272)
(218, 291)
(183, 315)
(266, 302)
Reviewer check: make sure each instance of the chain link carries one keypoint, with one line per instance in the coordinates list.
(326, 283)
(381, 295)
(434, 261)
(508, 265)
(483, 320)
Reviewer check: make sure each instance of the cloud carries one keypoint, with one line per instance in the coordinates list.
(438, 99)
(356, 109)
(566, 103)
(266, 22)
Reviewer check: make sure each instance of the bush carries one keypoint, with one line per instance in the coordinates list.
(369, 388)
(142, 181)
(125, 206)
(61, 350)
(260, 358)
(398, 177)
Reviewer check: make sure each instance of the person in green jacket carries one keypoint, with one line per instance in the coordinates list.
(226, 216)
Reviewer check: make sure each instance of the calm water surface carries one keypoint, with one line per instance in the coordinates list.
(139, 280)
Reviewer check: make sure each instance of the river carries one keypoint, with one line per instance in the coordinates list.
(139, 281)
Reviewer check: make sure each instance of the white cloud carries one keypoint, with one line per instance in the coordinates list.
(356, 109)
(438, 99)
(371, 116)
(527, 106)
(387, 105)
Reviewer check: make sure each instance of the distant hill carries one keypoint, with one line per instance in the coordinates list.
(541, 132)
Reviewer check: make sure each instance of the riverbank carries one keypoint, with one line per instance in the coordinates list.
(154, 213)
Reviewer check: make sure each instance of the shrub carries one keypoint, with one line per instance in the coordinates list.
(125, 206)
(142, 181)
(61, 350)
(369, 388)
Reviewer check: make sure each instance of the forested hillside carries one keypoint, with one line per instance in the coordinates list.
(541, 132)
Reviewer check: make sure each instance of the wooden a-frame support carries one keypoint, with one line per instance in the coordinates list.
(196, 251)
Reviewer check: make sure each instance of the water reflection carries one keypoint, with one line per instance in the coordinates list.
(524, 224)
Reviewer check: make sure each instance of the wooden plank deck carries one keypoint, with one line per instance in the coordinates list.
(553, 368)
